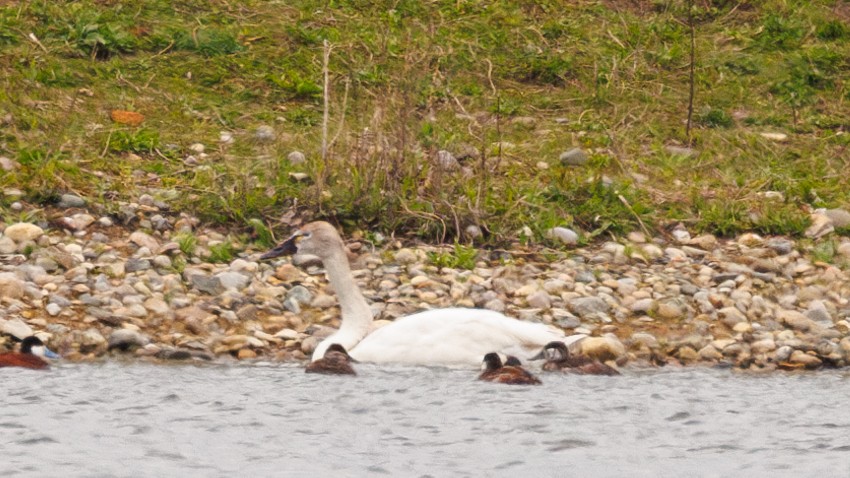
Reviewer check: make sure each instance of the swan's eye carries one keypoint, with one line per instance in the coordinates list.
(301, 236)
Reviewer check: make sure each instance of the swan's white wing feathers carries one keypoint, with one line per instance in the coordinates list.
(454, 336)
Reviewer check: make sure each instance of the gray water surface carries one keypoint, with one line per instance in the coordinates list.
(139, 420)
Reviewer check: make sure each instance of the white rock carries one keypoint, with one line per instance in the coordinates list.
(7, 245)
(447, 161)
(78, 222)
(296, 157)
(539, 300)
(780, 137)
(681, 235)
(11, 287)
(406, 256)
(233, 280)
(287, 334)
(157, 306)
(23, 231)
(7, 164)
(142, 239)
(563, 234)
(821, 226)
(16, 328)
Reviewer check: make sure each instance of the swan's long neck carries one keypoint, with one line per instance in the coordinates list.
(356, 314)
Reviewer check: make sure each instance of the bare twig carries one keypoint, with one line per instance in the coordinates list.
(691, 77)
(490, 75)
(631, 210)
(342, 113)
(31, 37)
(326, 94)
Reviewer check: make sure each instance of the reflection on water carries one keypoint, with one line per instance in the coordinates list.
(118, 420)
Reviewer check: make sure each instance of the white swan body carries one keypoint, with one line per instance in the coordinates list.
(455, 337)
(447, 337)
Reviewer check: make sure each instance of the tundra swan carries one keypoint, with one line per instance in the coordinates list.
(447, 337)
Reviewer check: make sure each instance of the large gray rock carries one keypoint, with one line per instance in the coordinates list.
(71, 200)
(142, 239)
(300, 294)
(840, 218)
(206, 284)
(233, 280)
(573, 157)
(583, 306)
(126, 339)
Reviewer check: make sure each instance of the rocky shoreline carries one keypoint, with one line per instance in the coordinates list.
(96, 286)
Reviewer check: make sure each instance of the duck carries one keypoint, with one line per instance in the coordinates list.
(452, 337)
(335, 361)
(32, 355)
(559, 359)
(510, 373)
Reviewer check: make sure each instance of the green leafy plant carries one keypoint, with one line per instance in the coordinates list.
(140, 141)
(221, 253)
(187, 242)
(460, 257)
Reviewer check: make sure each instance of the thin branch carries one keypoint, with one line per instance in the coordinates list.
(326, 94)
(342, 113)
(691, 78)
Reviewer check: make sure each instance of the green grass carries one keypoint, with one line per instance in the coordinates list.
(460, 257)
(516, 83)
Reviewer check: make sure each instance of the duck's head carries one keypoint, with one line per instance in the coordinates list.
(492, 361)
(337, 350)
(554, 351)
(318, 238)
(512, 361)
(33, 345)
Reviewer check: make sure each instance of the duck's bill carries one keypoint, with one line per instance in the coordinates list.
(45, 352)
(285, 248)
(540, 356)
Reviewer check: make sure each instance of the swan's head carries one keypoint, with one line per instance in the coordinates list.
(513, 361)
(556, 351)
(318, 238)
(492, 361)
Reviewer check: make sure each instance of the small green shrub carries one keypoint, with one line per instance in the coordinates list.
(140, 141)
(207, 42)
(262, 234)
(832, 30)
(460, 257)
(716, 118)
(825, 251)
(101, 39)
(187, 242)
(221, 253)
(780, 33)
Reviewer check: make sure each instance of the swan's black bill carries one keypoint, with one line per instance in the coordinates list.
(285, 248)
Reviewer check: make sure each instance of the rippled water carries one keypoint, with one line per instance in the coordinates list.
(137, 420)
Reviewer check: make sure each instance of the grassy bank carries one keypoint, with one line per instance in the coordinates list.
(505, 86)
